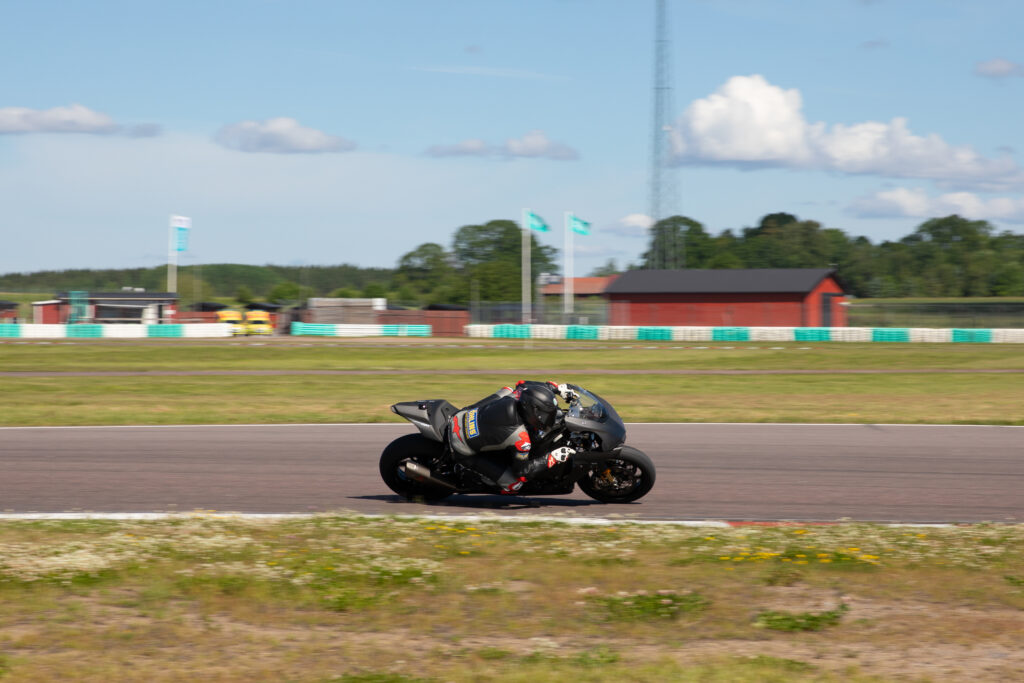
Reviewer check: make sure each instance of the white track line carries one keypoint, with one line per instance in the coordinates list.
(582, 521)
(628, 424)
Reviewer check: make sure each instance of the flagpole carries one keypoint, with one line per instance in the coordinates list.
(172, 257)
(567, 289)
(526, 269)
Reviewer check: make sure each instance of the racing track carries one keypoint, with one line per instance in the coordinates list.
(759, 472)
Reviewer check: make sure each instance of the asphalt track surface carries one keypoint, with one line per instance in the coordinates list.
(732, 472)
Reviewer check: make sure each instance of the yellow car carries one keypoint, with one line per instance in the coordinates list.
(258, 322)
(234, 319)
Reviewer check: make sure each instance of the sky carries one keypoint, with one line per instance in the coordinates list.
(320, 132)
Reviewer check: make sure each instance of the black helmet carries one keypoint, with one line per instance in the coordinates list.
(538, 406)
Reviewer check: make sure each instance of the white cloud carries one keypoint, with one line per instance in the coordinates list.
(904, 202)
(632, 225)
(749, 122)
(72, 119)
(246, 208)
(533, 145)
(473, 147)
(999, 68)
(280, 135)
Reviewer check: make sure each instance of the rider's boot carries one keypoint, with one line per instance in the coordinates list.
(514, 477)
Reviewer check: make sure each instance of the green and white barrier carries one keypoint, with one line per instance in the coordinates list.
(326, 330)
(123, 331)
(750, 334)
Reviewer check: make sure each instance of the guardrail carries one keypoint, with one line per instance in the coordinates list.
(750, 334)
(512, 331)
(113, 331)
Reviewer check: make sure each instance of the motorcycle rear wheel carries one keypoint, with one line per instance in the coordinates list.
(624, 477)
(417, 448)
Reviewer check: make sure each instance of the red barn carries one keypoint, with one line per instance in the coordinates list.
(761, 297)
(8, 311)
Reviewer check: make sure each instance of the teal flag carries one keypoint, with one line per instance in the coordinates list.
(535, 222)
(181, 238)
(180, 225)
(579, 225)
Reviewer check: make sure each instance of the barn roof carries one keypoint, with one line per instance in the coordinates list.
(261, 306)
(721, 281)
(581, 286)
(123, 295)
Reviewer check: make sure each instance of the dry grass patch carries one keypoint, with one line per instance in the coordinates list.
(336, 597)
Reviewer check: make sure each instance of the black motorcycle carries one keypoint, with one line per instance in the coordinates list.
(422, 466)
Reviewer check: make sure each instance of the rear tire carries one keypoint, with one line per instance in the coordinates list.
(417, 448)
(623, 477)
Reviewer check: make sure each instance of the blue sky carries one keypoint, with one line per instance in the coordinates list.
(325, 132)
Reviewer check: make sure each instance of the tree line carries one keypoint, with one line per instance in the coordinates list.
(944, 257)
(484, 261)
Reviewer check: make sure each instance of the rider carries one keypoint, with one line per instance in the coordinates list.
(509, 422)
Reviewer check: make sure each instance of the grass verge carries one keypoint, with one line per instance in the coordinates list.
(902, 395)
(343, 598)
(934, 399)
(487, 355)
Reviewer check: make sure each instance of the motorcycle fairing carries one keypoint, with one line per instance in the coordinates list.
(430, 416)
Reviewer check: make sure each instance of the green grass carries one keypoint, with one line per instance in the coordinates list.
(896, 398)
(468, 355)
(337, 597)
(914, 387)
(800, 621)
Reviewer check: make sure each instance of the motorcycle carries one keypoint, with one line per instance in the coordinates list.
(422, 466)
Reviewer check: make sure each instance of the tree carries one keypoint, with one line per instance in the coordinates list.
(288, 292)
(607, 269)
(426, 263)
(491, 255)
(243, 295)
(192, 289)
(425, 271)
(954, 231)
(1008, 280)
(669, 245)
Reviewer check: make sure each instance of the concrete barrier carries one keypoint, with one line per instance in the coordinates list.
(124, 331)
(370, 330)
(900, 335)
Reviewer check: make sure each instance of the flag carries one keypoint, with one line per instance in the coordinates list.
(579, 225)
(181, 225)
(535, 222)
(181, 238)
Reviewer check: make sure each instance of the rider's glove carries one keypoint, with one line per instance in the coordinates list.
(564, 391)
(559, 455)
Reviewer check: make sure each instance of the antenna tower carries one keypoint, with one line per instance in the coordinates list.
(663, 252)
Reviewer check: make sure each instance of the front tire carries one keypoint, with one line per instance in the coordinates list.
(623, 477)
(417, 448)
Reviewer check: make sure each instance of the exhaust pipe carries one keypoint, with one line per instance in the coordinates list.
(424, 475)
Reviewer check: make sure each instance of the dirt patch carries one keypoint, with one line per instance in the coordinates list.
(890, 639)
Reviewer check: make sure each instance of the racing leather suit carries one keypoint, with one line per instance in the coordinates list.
(484, 435)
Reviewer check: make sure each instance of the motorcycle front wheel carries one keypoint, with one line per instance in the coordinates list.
(419, 449)
(625, 476)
